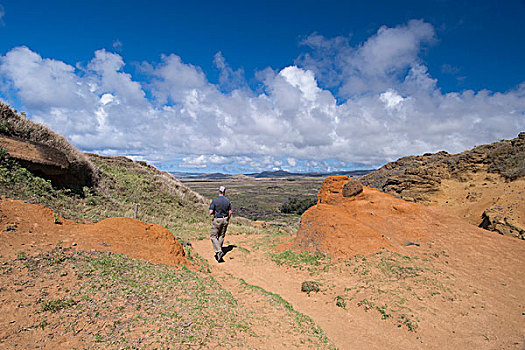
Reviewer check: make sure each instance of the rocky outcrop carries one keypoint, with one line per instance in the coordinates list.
(43, 152)
(494, 219)
(449, 180)
(48, 162)
(331, 191)
(352, 188)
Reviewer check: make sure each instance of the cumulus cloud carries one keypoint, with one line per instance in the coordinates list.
(382, 104)
(229, 78)
(372, 66)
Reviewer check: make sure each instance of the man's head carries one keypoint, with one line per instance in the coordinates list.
(222, 190)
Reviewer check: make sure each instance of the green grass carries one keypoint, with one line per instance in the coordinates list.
(340, 301)
(54, 305)
(302, 320)
(298, 260)
(135, 294)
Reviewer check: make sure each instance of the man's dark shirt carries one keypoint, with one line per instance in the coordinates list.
(220, 206)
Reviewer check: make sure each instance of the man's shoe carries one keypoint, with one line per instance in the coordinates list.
(219, 257)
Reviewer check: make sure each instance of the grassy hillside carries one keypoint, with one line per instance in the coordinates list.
(150, 306)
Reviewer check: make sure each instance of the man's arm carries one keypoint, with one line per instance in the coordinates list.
(212, 208)
(229, 214)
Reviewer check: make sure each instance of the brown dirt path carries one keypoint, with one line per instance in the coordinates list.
(29, 230)
(344, 329)
(472, 294)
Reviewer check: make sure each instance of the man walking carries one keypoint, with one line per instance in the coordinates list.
(221, 210)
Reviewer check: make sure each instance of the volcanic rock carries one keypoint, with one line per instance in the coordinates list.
(332, 189)
(468, 183)
(47, 162)
(494, 219)
(43, 152)
(352, 188)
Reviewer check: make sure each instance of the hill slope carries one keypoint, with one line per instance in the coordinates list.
(485, 185)
(116, 184)
(63, 286)
(44, 152)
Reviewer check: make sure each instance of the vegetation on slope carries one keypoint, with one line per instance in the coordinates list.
(123, 184)
(149, 305)
(506, 157)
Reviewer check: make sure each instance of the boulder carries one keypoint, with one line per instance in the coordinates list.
(352, 188)
(495, 219)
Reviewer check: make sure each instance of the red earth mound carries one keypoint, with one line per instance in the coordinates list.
(35, 225)
(362, 224)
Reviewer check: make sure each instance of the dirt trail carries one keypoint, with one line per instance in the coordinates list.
(469, 289)
(342, 328)
(30, 231)
(475, 298)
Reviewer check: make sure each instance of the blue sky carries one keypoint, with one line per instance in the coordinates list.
(240, 86)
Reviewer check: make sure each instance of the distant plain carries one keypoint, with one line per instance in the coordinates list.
(260, 198)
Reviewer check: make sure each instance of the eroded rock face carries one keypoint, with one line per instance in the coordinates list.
(332, 189)
(494, 219)
(469, 183)
(48, 162)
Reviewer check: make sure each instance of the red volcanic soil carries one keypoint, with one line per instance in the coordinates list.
(33, 226)
(362, 224)
(466, 292)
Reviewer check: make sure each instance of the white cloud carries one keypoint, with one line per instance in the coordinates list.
(389, 106)
(194, 162)
(391, 98)
(42, 83)
(371, 67)
(204, 161)
(229, 79)
(107, 98)
(117, 45)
